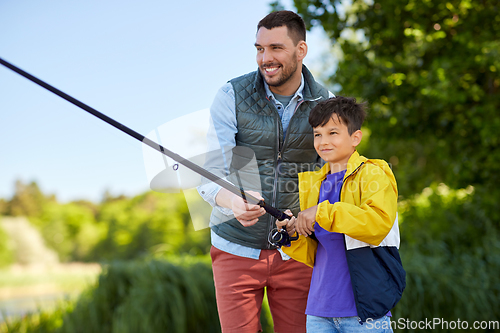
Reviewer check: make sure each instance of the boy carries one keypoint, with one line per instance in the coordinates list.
(351, 206)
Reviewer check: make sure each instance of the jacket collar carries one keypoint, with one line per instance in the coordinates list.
(310, 182)
(353, 163)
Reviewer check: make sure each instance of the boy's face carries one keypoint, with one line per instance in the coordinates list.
(334, 144)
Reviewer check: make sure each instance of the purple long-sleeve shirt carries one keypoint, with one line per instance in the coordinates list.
(331, 292)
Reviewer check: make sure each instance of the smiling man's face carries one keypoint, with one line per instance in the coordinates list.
(279, 58)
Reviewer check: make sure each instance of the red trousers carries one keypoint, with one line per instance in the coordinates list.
(240, 283)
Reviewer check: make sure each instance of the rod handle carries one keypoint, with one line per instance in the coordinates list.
(278, 214)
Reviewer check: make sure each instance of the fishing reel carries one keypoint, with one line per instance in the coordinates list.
(281, 237)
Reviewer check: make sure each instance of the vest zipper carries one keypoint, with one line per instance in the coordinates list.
(279, 157)
(275, 184)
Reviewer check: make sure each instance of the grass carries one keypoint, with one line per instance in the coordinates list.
(126, 297)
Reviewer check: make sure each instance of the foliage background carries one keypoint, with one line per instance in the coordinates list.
(117, 228)
(429, 71)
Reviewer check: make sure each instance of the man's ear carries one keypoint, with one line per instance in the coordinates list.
(301, 50)
(356, 138)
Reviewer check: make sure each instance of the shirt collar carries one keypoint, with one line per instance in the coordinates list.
(298, 93)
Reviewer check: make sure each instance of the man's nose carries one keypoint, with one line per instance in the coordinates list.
(267, 56)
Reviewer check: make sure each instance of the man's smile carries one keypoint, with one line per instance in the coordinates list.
(271, 69)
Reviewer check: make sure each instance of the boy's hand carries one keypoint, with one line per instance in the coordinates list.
(306, 220)
(289, 223)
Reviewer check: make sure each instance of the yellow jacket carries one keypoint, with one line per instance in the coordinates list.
(365, 213)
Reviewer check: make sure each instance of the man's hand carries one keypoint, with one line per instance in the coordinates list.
(306, 220)
(289, 223)
(244, 212)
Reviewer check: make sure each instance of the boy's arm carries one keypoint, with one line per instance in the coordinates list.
(369, 222)
(302, 249)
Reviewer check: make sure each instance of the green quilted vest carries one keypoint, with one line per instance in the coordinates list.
(279, 158)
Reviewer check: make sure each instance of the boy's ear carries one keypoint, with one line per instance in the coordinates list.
(356, 138)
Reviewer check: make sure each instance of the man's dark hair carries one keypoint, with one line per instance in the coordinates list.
(348, 111)
(294, 23)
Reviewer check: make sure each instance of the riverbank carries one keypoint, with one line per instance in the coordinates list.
(28, 288)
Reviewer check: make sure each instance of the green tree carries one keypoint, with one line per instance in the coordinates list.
(3, 206)
(70, 229)
(28, 200)
(6, 256)
(430, 73)
(148, 223)
(117, 228)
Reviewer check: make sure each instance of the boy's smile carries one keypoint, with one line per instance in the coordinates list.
(334, 144)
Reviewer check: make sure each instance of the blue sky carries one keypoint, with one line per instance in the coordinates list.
(141, 63)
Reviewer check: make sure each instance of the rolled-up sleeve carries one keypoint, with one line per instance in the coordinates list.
(221, 137)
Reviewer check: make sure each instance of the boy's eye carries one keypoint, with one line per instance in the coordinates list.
(332, 133)
(317, 135)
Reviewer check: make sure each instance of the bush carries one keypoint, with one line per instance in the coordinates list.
(451, 252)
(152, 296)
(6, 256)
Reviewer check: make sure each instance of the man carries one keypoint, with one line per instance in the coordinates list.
(266, 110)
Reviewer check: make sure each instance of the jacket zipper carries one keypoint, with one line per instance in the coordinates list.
(345, 245)
(345, 179)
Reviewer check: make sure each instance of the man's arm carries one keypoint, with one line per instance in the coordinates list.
(222, 137)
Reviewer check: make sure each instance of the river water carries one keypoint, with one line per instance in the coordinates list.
(28, 304)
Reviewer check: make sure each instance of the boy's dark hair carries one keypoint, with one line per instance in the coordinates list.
(349, 112)
(294, 23)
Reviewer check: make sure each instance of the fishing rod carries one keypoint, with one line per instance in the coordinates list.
(190, 165)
